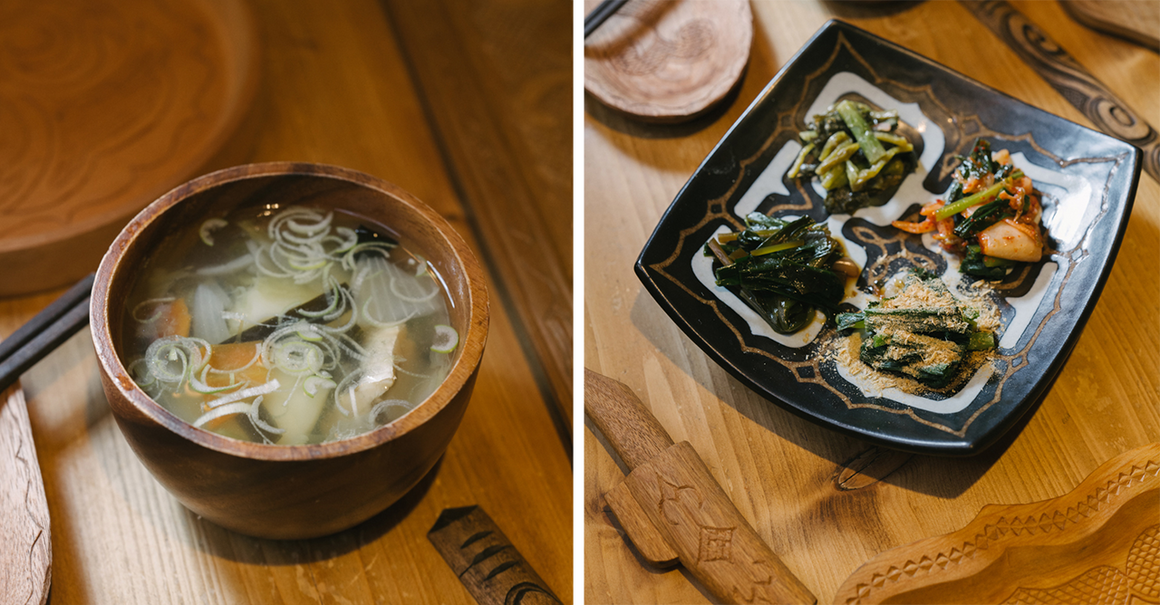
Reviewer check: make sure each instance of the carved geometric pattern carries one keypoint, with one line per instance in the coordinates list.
(1141, 571)
(715, 544)
(1143, 566)
(1096, 586)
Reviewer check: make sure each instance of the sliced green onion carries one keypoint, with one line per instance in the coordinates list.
(312, 384)
(208, 227)
(264, 389)
(446, 339)
(160, 302)
(201, 385)
(257, 420)
(383, 406)
(225, 410)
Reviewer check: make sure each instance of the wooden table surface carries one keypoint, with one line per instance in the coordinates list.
(826, 503)
(469, 107)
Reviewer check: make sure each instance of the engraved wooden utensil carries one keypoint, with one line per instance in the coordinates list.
(1107, 111)
(673, 509)
(483, 558)
(1099, 543)
(26, 550)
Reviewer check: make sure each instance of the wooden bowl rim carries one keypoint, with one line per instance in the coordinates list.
(471, 344)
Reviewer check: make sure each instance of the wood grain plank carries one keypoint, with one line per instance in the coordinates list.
(497, 78)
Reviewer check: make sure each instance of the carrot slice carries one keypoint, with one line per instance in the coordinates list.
(909, 227)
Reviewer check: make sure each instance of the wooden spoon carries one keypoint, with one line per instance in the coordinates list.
(668, 61)
(26, 548)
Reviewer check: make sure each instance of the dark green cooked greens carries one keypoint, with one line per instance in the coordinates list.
(857, 155)
(923, 333)
(784, 269)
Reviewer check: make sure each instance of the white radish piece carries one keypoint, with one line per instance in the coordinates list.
(378, 369)
(1009, 240)
(292, 409)
(207, 311)
(271, 298)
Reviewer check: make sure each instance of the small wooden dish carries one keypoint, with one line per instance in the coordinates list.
(106, 107)
(290, 491)
(668, 61)
(1100, 543)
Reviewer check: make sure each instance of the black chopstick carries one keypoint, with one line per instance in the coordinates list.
(603, 11)
(45, 332)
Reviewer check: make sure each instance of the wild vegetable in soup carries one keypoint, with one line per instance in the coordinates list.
(287, 326)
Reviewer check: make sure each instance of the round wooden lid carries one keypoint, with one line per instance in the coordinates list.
(107, 105)
(668, 61)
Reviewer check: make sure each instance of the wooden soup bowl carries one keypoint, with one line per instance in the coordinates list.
(289, 491)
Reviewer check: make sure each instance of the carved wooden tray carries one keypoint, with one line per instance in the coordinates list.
(664, 61)
(107, 105)
(1100, 543)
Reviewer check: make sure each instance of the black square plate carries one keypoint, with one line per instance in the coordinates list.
(1088, 180)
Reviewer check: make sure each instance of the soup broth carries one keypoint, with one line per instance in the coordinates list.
(287, 325)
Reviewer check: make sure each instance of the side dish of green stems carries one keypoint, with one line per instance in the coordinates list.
(857, 155)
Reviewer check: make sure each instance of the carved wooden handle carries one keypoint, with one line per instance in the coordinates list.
(673, 501)
(26, 547)
(630, 428)
(1066, 75)
(672, 508)
(491, 569)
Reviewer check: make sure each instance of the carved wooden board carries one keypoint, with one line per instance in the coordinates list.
(668, 61)
(107, 105)
(26, 549)
(1100, 543)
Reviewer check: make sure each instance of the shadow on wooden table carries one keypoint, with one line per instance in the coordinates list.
(629, 125)
(867, 9)
(221, 542)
